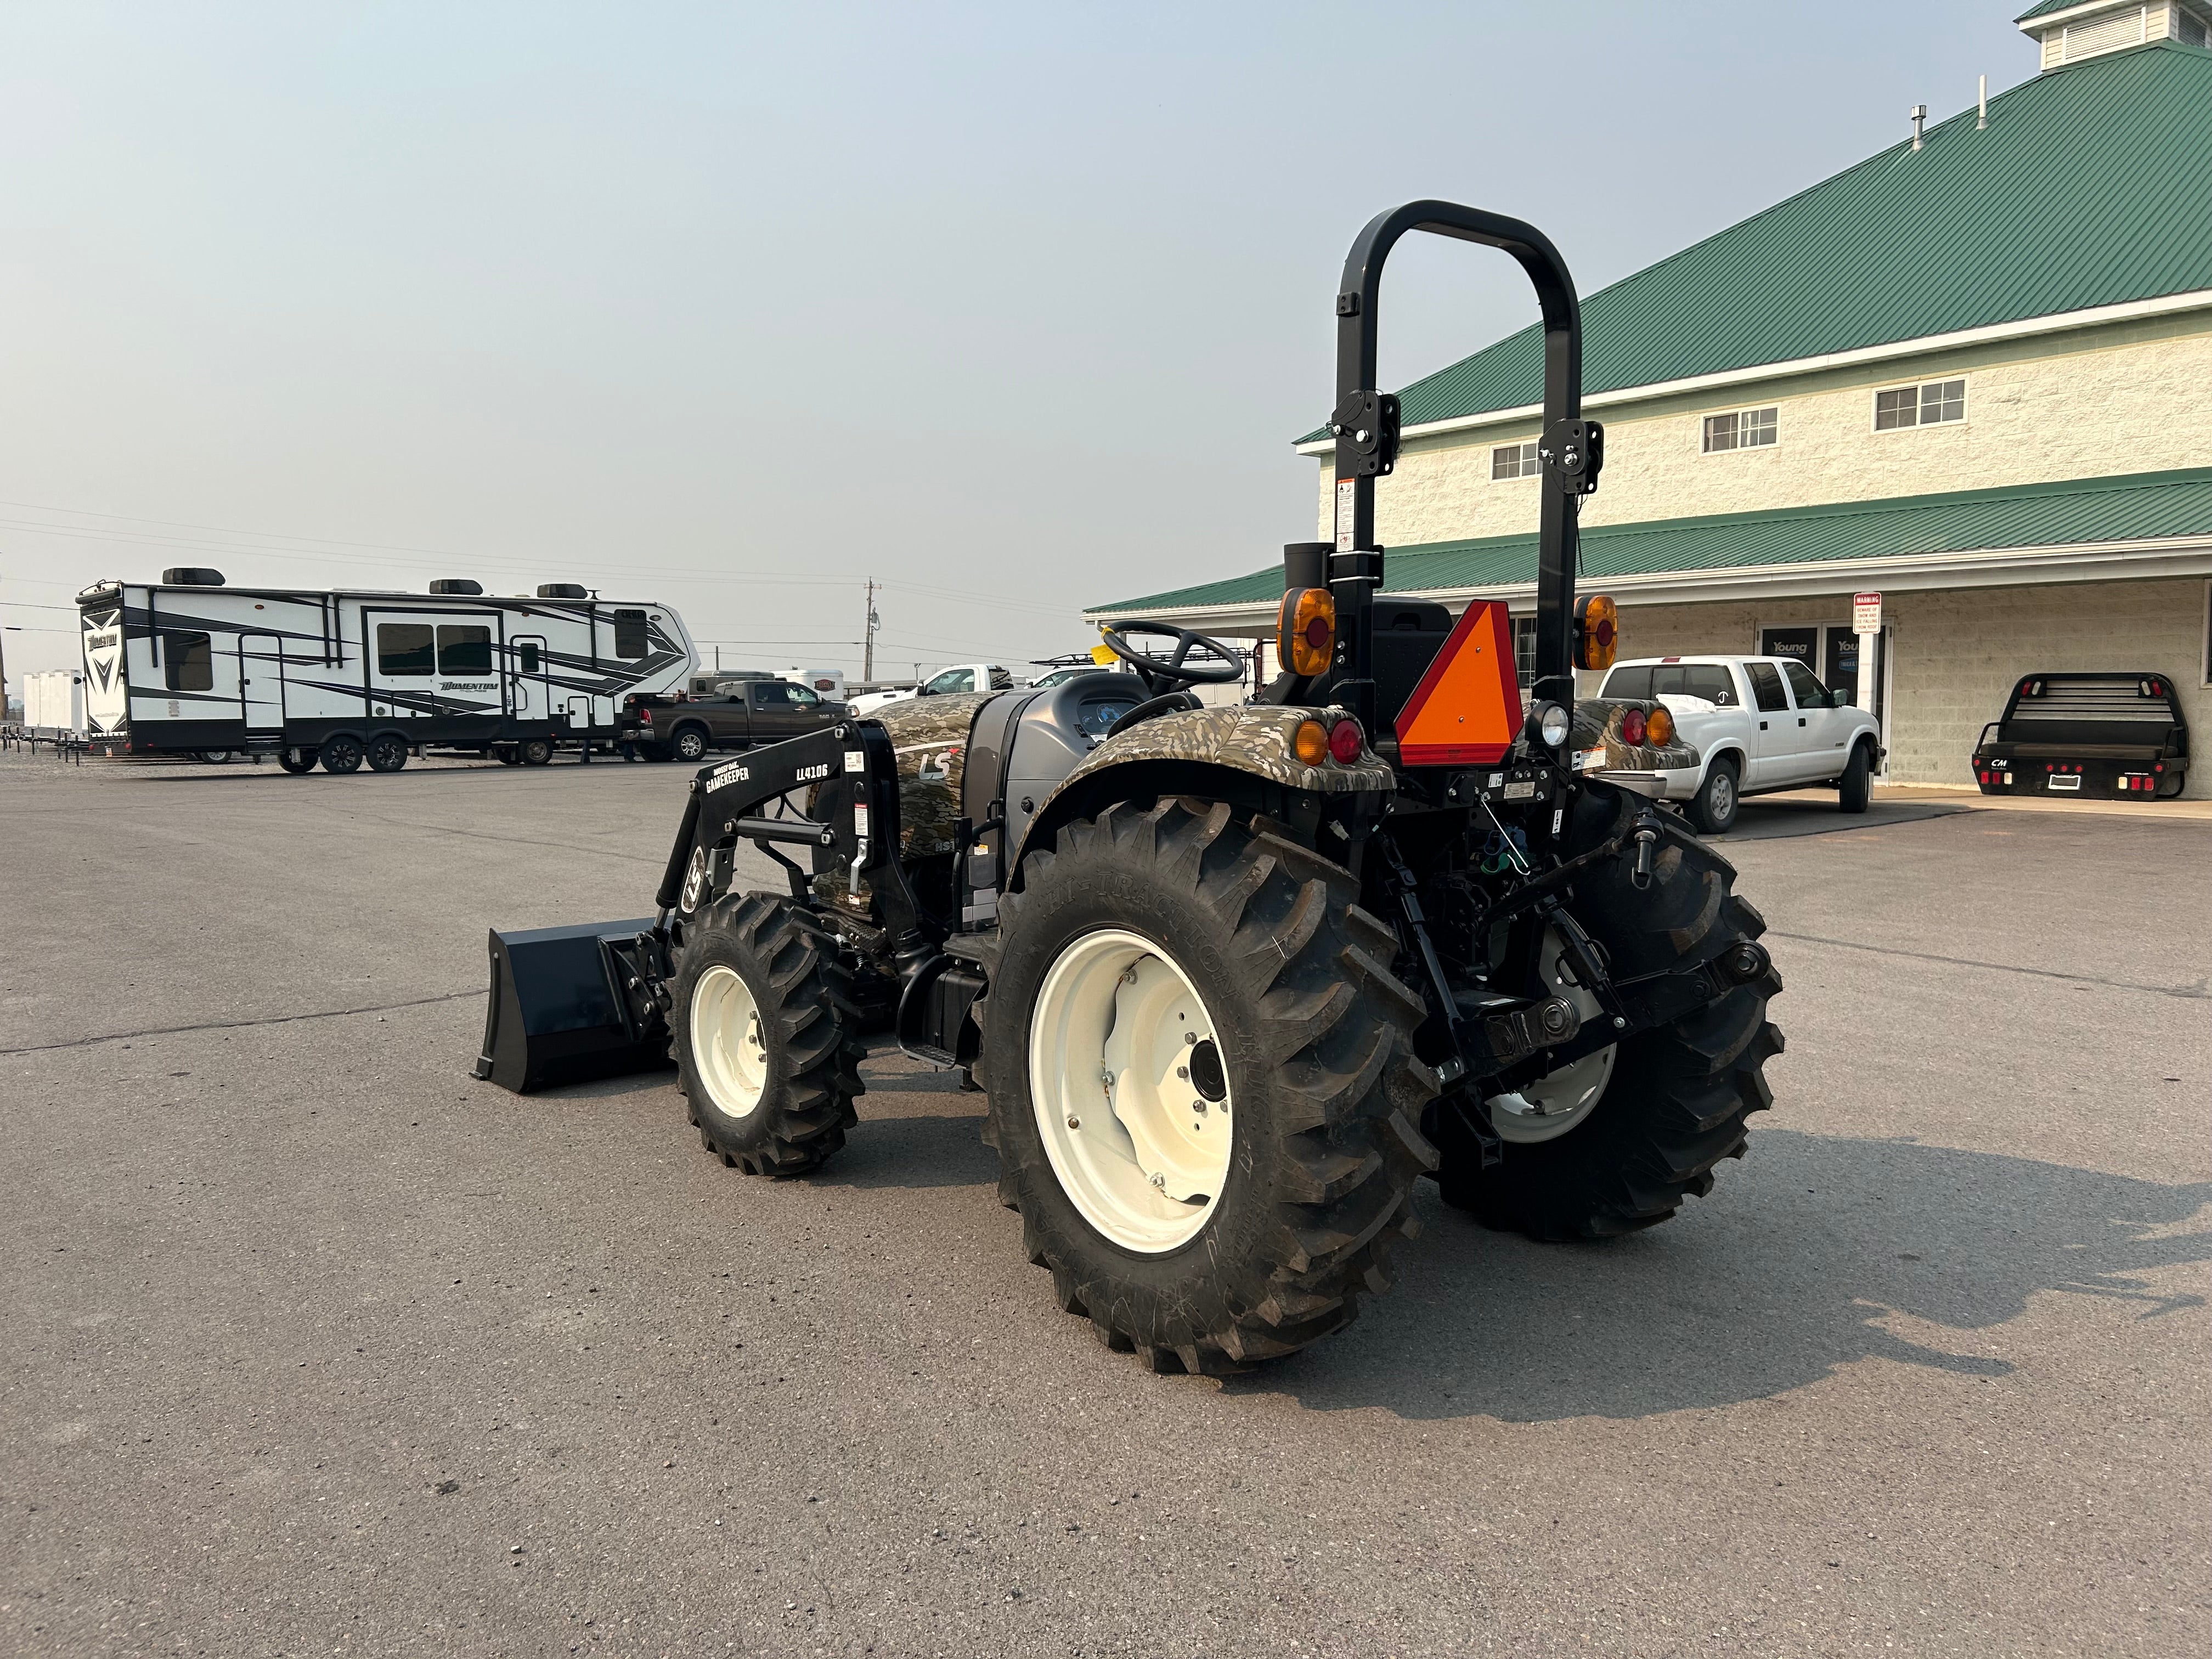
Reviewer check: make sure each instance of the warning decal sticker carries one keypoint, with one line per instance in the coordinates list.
(1466, 709)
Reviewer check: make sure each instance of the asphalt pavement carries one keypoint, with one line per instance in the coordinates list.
(315, 1344)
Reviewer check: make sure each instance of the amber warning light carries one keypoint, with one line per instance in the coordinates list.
(1305, 630)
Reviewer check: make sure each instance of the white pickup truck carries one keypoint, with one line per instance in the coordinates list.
(1759, 724)
(962, 676)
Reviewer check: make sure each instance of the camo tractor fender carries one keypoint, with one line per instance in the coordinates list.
(1599, 728)
(1209, 752)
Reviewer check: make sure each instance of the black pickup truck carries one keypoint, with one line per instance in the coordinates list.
(683, 727)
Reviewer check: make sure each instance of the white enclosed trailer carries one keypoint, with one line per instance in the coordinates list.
(189, 665)
(53, 704)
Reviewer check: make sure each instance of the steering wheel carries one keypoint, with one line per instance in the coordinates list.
(1161, 675)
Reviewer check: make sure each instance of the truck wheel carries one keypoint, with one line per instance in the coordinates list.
(762, 1050)
(1636, 1128)
(387, 752)
(1202, 1086)
(689, 744)
(534, 751)
(215, 757)
(296, 760)
(341, 753)
(505, 754)
(1855, 787)
(1712, 809)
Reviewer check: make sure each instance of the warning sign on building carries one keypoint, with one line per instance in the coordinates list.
(1866, 613)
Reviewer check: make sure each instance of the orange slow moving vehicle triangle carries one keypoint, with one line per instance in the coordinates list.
(1466, 709)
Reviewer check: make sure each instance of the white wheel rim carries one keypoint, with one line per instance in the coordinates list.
(1557, 1101)
(1724, 795)
(726, 1048)
(1140, 1146)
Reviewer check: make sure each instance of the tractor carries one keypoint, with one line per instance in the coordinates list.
(1233, 978)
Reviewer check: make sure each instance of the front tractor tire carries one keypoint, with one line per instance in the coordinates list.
(1203, 1092)
(762, 1036)
(1637, 1128)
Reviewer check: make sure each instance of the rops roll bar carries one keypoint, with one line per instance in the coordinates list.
(1364, 424)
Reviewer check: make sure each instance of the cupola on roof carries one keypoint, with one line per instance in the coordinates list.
(2071, 30)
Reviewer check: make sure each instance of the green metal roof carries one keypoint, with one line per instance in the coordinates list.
(2143, 506)
(2045, 8)
(2089, 188)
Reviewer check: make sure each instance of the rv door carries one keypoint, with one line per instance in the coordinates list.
(526, 687)
(261, 682)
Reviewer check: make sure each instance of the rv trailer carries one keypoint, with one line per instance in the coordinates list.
(188, 666)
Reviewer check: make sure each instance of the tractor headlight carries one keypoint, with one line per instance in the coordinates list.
(1551, 723)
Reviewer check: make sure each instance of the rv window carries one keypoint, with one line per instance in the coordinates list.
(630, 638)
(463, 649)
(527, 655)
(188, 662)
(405, 648)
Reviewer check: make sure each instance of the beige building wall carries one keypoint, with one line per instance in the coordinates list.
(1956, 653)
(2125, 398)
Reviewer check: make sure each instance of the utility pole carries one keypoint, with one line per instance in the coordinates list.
(868, 647)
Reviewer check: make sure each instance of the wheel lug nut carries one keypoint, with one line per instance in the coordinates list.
(1160, 1181)
(1182, 1071)
(1075, 1123)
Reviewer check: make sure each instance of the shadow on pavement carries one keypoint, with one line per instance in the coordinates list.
(1842, 1251)
(1758, 819)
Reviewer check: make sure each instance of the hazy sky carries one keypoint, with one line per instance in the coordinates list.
(1015, 309)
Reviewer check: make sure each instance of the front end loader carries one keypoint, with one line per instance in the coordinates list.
(1232, 979)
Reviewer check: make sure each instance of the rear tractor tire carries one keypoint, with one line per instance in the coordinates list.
(1637, 1128)
(1203, 1091)
(763, 1043)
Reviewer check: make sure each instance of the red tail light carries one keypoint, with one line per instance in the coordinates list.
(1632, 727)
(1344, 741)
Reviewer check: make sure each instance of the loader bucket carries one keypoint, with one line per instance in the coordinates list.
(558, 1012)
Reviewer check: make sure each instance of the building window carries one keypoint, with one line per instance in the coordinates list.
(463, 648)
(1515, 461)
(406, 649)
(188, 662)
(1524, 649)
(631, 639)
(1936, 401)
(1747, 428)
